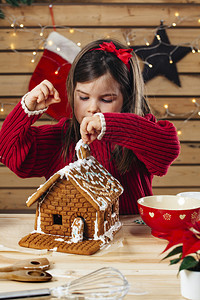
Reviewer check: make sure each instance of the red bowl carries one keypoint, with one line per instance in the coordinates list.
(164, 213)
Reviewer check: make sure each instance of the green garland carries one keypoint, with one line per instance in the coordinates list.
(15, 3)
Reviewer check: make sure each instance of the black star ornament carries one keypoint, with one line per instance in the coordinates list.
(160, 57)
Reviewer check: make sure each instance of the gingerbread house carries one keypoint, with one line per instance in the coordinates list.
(77, 208)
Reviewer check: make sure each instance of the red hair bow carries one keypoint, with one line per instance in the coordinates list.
(123, 54)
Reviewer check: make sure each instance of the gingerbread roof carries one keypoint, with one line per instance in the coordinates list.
(90, 178)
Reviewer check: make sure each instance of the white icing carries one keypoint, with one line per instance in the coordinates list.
(110, 233)
(108, 199)
(54, 249)
(39, 230)
(31, 196)
(59, 240)
(113, 215)
(96, 228)
(105, 223)
(76, 237)
(80, 144)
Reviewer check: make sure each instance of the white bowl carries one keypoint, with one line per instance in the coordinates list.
(195, 195)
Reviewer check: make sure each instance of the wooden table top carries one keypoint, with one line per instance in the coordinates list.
(134, 251)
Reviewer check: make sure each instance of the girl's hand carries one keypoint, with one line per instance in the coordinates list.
(90, 128)
(43, 95)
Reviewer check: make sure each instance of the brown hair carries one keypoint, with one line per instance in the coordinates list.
(90, 64)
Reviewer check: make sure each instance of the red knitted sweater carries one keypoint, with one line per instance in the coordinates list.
(31, 151)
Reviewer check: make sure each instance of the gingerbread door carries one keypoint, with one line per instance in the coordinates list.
(77, 230)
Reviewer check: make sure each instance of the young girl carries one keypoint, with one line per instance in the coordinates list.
(105, 90)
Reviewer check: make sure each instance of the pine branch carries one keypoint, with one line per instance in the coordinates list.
(2, 16)
(15, 3)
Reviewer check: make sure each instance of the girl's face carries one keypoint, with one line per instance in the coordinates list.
(99, 95)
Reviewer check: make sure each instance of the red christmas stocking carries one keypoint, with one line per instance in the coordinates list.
(54, 66)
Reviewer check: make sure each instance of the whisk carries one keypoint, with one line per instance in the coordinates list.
(105, 283)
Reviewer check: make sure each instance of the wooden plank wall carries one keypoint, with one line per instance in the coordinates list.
(92, 20)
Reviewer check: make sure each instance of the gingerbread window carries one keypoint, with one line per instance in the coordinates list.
(57, 219)
(113, 208)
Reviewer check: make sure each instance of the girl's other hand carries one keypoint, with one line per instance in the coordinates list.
(43, 95)
(90, 128)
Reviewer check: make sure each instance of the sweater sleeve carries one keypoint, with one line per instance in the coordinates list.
(25, 149)
(154, 143)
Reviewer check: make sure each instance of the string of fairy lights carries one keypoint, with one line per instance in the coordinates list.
(128, 36)
(188, 116)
